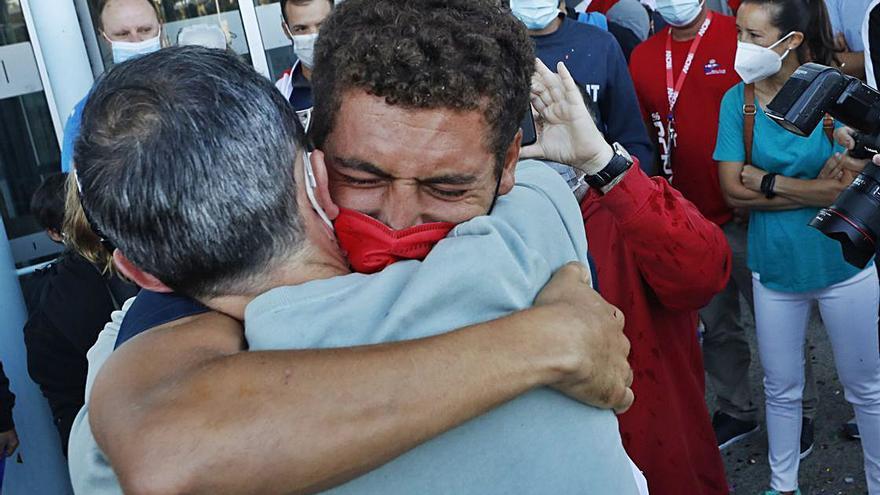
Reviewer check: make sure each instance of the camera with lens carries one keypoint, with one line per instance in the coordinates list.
(811, 92)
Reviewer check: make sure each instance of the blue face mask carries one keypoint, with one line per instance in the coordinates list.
(679, 13)
(535, 14)
(126, 50)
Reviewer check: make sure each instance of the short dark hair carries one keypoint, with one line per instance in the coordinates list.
(185, 160)
(456, 54)
(299, 2)
(47, 203)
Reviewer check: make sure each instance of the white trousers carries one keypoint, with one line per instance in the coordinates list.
(849, 311)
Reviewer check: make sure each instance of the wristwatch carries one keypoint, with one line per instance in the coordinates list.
(619, 164)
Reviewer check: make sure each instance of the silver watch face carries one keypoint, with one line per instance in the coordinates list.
(620, 150)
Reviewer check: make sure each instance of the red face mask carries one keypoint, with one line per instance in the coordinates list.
(371, 245)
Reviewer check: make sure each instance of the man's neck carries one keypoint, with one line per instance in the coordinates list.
(307, 73)
(550, 29)
(690, 31)
(308, 265)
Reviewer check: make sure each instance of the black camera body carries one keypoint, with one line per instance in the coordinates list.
(811, 92)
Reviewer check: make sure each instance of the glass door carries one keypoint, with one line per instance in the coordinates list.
(279, 53)
(237, 21)
(28, 143)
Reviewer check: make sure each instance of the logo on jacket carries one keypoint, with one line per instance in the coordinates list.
(713, 68)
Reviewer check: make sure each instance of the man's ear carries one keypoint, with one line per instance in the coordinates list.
(55, 235)
(136, 275)
(286, 29)
(511, 157)
(322, 189)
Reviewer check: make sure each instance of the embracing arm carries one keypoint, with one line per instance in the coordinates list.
(180, 409)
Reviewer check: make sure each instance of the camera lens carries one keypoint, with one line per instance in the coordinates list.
(854, 219)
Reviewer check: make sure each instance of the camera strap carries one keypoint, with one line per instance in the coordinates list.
(749, 112)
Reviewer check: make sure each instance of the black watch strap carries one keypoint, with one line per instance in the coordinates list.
(619, 164)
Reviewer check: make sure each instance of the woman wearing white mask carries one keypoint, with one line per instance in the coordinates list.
(778, 176)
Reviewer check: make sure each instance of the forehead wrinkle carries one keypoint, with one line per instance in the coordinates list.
(397, 139)
(128, 14)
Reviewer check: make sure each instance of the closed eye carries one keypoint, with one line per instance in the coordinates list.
(449, 194)
(360, 182)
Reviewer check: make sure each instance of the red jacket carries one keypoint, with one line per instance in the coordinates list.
(602, 6)
(659, 261)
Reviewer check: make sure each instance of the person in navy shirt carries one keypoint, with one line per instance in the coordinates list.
(598, 65)
(301, 21)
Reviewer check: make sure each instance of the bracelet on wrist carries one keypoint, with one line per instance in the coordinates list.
(768, 185)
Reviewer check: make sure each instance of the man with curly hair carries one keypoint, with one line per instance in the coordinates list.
(420, 136)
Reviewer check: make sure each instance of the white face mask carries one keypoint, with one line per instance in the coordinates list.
(125, 50)
(679, 13)
(535, 14)
(754, 63)
(304, 48)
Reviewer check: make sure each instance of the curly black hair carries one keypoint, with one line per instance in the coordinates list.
(428, 54)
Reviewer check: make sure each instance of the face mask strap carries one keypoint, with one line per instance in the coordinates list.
(789, 35)
(311, 186)
(495, 195)
(311, 180)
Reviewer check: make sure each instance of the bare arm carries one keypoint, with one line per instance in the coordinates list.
(737, 195)
(853, 64)
(816, 192)
(181, 410)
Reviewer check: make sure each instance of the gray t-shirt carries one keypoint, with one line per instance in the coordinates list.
(539, 443)
(570, 448)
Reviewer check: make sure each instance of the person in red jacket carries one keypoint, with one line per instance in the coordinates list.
(682, 107)
(658, 260)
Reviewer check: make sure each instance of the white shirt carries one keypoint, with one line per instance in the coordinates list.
(869, 66)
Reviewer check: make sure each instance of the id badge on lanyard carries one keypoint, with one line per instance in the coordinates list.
(673, 89)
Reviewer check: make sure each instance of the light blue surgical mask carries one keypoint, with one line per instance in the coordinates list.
(535, 14)
(126, 50)
(679, 13)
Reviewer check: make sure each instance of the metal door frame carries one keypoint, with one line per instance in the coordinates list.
(246, 9)
(44, 74)
(254, 36)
